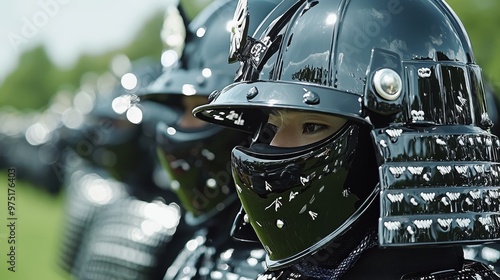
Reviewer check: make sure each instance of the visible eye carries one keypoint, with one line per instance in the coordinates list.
(310, 128)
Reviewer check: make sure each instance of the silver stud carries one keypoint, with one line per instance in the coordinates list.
(280, 223)
(311, 98)
(252, 92)
(246, 219)
(387, 83)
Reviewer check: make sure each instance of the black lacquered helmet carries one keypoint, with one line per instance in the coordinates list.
(416, 150)
(110, 140)
(198, 159)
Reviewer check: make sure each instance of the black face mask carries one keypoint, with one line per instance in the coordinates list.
(198, 163)
(296, 199)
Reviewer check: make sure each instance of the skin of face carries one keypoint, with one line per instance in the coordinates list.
(188, 120)
(299, 128)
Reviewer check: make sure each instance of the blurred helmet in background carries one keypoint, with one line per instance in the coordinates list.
(197, 154)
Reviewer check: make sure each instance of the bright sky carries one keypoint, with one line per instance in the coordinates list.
(69, 28)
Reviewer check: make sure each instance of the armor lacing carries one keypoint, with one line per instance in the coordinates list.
(369, 241)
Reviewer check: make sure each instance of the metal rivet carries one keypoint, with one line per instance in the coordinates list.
(280, 223)
(246, 219)
(387, 83)
(252, 93)
(213, 95)
(311, 98)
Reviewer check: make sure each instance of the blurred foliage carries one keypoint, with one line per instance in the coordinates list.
(193, 7)
(481, 21)
(36, 79)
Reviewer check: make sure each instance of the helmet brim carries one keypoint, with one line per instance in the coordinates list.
(238, 105)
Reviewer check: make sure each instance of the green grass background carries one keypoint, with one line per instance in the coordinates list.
(38, 231)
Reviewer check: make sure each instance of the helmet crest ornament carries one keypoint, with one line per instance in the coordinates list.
(239, 31)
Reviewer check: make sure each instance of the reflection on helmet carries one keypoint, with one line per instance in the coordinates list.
(418, 135)
(488, 253)
(110, 140)
(198, 158)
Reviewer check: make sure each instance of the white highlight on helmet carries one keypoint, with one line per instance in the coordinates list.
(485, 221)
(227, 254)
(423, 223)
(397, 197)
(162, 215)
(188, 89)
(129, 81)
(444, 222)
(424, 72)
(444, 169)
(313, 215)
(84, 101)
(490, 254)
(171, 131)
(120, 104)
(168, 58)
(175, 185)
(134, 115)
(201, 32)
(428, 196)
(331, 19)
(72, 118)
(211, 183)
(415, 170)
(252, 262)
(463, 222)
(192, 244)
(207, 154)
(206, 72)
(99, 192)
(37, 134)
(394, 132)
(231, 25)
(392, 225)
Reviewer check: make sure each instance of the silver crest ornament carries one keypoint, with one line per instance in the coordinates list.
(239, 30)
(259, 48)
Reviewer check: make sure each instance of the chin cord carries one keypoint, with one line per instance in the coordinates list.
(369, 241)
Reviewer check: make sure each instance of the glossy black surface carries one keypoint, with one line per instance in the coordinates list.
(198, 164)
(293, 202)
(322, 56)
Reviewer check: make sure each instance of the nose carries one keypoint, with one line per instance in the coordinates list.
(286, 138)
